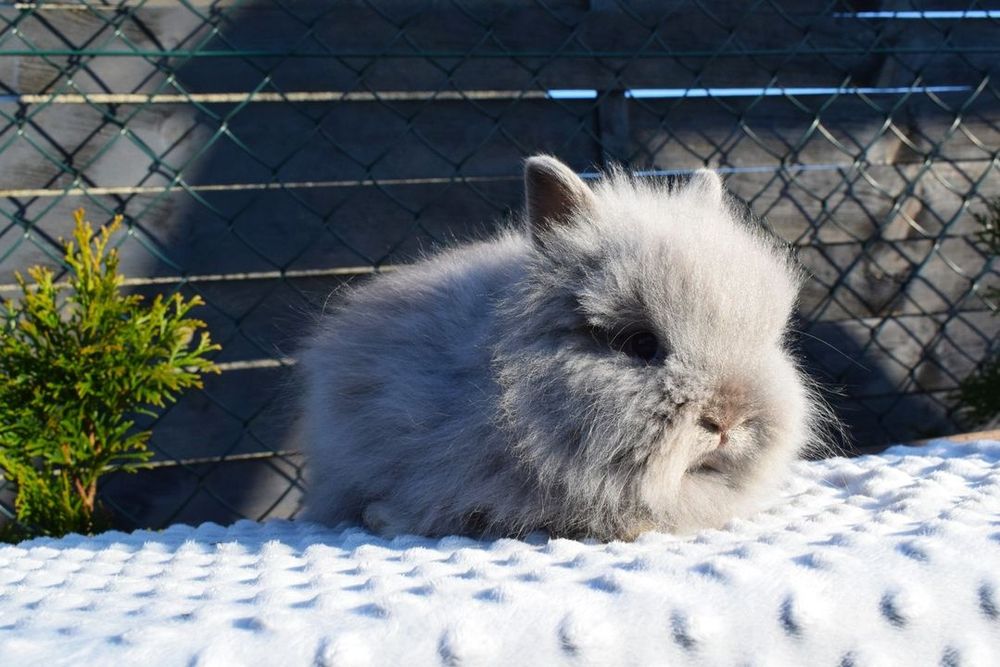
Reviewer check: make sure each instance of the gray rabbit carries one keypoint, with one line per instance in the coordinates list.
(617, 365)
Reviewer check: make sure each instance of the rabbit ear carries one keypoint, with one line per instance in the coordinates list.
(707, 183)
(553, 193)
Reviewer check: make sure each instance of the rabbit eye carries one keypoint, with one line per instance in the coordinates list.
(642, 345)
(636, 343)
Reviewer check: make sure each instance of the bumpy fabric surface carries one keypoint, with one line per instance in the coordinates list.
(880, 560)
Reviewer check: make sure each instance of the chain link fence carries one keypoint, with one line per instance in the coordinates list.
(264, 153)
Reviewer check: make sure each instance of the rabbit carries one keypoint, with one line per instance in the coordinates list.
(619, 363)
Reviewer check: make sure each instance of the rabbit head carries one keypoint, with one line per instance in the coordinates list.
(642, 356)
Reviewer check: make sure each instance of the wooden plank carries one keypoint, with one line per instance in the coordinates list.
(901, 278)
(895, 380)
(886, 202)
(164, 27)
(898, 271)
(393, 139)
(876, 357)
(258, 319)
(302, 143)
(559, 45)
(804, 8)
(205, 492)
(873, 424)
(935, 51)
(959, 126)
(554, 46)
(237, 413)
(828, 127)
(805, 206)
(992, 434)
(262, 231)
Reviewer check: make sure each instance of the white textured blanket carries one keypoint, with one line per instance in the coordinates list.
(880, 560)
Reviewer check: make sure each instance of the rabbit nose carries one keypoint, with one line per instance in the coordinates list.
(715, 427)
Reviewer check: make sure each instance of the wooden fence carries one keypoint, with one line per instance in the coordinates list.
(264, 153)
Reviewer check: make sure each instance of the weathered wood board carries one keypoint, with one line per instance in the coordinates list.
(202, 492)
(395, 45)
(425, 47)
(254, 230)
(828, 192)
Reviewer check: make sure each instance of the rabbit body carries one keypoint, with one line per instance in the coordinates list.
(617, 365)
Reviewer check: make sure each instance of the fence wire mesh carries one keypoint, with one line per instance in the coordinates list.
(263, 153)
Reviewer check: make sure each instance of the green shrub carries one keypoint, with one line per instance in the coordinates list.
(979, 394)
(78, 363)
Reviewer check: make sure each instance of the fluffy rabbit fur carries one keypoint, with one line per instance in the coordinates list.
(618, 365)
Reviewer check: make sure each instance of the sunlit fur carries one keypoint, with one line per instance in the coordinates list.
(469, 393)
